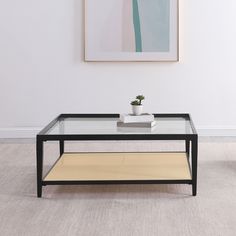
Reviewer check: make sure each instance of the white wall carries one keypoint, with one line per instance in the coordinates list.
(42, 72)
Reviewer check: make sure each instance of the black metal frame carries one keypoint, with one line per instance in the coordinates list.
(188, 138)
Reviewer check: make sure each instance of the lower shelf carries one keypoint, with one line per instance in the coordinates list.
(120, 166)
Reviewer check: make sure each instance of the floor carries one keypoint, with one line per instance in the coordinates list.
(139, 210)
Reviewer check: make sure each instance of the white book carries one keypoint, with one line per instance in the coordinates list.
(130, 118)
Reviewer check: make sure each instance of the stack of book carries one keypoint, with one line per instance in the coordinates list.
(144, 120)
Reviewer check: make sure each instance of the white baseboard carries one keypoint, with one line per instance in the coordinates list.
(31, 132)
(22, 132)
(223, 131)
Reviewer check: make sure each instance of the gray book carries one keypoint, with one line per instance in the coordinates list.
(136, 124)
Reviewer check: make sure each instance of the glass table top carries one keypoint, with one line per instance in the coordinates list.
(102, 126)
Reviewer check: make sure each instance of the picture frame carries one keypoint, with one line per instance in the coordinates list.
(132, 30)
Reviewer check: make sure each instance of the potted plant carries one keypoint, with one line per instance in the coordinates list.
(137, 106)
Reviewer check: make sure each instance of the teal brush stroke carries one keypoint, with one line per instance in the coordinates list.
(137, 30)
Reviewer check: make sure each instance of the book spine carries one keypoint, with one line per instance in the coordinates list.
(137, 125)
(138, 119)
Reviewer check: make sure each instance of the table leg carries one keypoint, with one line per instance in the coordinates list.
(187, 146)
(194, 165)
(62, 131)
(39, 150)
(61, 147)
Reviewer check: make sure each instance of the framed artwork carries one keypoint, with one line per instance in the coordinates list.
(131, 30)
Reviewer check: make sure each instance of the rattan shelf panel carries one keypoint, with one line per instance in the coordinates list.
(120, 166)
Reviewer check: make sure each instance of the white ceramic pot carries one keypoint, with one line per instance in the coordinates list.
(137, 109)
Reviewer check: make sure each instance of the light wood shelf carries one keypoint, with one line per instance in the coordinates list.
(120, 166)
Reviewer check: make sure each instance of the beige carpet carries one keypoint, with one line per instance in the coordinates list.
(124, 210)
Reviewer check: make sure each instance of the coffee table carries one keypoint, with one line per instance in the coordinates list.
(179, 167)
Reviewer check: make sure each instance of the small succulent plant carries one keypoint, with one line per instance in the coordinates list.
(138, 101)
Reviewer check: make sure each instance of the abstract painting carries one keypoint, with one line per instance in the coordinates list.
(131, 30)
